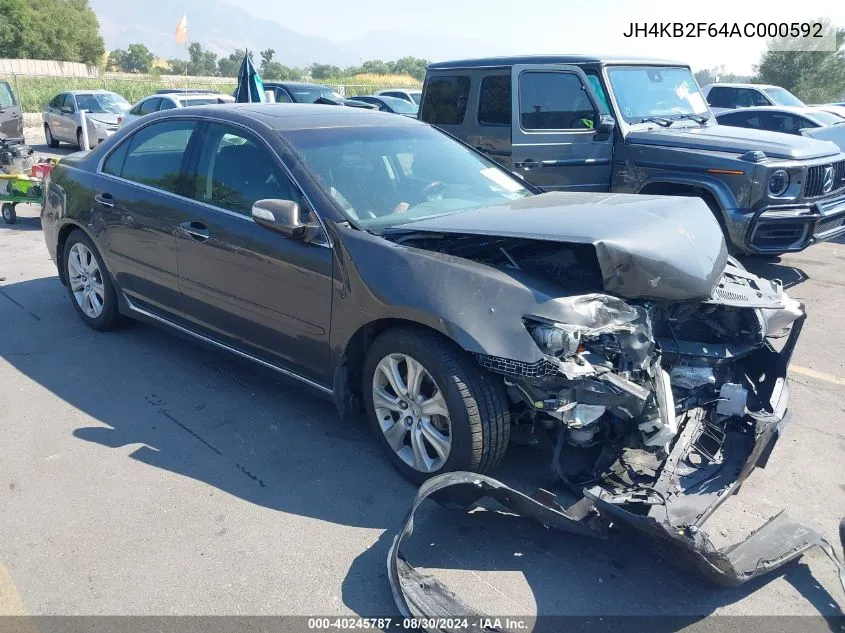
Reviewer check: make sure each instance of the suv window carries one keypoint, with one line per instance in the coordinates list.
(445, 100)
(554, 101)
(494, 102)
(721, 97)
(748, 98)
(153, 155)
(234, 171)
(149, 106)
(7, 97)
(743, 119)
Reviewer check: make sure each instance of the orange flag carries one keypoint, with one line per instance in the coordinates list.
(182, 30)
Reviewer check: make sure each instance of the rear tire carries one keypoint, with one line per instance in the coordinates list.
(89, 284)
(48, 135)
(478, 419)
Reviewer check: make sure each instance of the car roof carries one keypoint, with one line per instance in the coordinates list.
(296, 84)
(408, 90)
(738, 85)
(489, 62)
(284, 117)
(96, 91)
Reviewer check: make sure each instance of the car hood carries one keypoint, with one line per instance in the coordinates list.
(649, 247)
(104, 117)
(833, 133)
(726, 138)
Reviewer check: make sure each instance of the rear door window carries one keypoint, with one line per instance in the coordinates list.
(153, 156)
(445, 100)
(494, 100)
(554, 101)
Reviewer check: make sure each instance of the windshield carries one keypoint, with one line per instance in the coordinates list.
(783, 97)
(309, 94)
(400, 105)
(643, 92)
(827, 118)
(104, 103)
(386, 176)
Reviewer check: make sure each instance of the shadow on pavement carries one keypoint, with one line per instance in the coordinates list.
(775, 268)
(236, 427)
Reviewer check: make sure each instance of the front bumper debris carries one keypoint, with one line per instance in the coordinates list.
(776, 543)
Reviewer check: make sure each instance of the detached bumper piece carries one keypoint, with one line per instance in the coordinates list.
(776, 543)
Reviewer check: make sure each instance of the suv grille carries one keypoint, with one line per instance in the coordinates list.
(814, 185)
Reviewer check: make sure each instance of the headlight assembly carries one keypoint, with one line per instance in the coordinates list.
(778, 182)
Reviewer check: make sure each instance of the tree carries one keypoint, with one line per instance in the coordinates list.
(66, 30)
(413, 66)
(816, 76)
(229, 66)
(137, 59)
(201, 62)
(324, 71)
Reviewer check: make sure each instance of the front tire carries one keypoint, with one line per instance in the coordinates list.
(89, 285)
(10, 216)
(48, 135)
(432, 408)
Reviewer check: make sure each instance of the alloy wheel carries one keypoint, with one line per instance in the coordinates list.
(86, 280)
(412, 412)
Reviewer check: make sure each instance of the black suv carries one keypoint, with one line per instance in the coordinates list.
(579, 123)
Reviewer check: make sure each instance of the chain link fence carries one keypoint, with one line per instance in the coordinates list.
(35, 91)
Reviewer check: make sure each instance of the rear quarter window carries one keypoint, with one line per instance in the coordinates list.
(494, 100)
(445, 100)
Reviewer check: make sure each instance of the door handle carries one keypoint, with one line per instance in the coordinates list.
(528, 164)
(105, 200)
(195, 230)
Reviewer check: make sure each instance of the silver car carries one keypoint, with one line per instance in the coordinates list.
(169, 101)
(63, 121)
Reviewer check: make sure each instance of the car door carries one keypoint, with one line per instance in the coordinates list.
(245, 284)
(139, 204)
(555, 140)
(11, 121)
(54, 117)
(493, 133)
(67, 119)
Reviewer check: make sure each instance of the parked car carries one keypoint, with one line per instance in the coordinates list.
(169, 101)
(833, 108)
(11, 119)
(578, 123)
(389, 104)
(731, 96)
(299, 92)
(63, 122)
(195, 91)
(411, 96)
(812, 122)
(398, 272)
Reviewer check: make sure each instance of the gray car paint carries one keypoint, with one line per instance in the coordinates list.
(648, 247)
(11, 119)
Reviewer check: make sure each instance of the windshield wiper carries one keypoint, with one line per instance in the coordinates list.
(661, 121)
(693, 117)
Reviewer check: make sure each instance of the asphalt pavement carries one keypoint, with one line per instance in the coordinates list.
(143, 474)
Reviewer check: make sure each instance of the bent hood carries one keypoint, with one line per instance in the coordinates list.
(726, 138)
(833, 133)
(648, 247)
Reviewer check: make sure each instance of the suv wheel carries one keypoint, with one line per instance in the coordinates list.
(48, 134)
(433, 409)
(88, 283)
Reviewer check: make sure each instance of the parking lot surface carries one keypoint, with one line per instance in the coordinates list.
(143, 474)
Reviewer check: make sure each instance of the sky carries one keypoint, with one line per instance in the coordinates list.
(549, 26)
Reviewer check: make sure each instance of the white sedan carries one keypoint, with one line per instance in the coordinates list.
(169, 101)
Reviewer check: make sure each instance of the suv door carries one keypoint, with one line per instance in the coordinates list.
(139, 203)
(243, 283)
(11, 121)
(554, 136)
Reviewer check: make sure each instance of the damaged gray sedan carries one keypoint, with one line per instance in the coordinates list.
(405, 275)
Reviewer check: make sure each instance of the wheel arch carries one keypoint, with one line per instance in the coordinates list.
(716, 196)
(346, 381)
(61, 239)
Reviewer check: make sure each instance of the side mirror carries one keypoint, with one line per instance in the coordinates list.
(283, 216)
(606, 125)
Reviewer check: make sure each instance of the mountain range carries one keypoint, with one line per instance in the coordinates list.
(221, 28)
